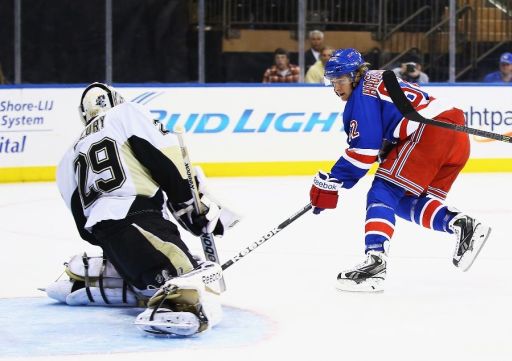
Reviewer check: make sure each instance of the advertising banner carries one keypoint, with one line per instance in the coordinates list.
(231, 124)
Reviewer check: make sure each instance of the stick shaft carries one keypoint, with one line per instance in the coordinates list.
(207, 239)
(251, 247)
(408, 111)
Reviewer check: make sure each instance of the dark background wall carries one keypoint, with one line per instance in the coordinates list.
(151, 41)
(63, 41)
(7, 38)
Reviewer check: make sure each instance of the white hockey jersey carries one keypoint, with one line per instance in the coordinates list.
(118, 167)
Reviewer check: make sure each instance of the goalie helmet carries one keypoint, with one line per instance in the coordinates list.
(343, 62)
(96, 99)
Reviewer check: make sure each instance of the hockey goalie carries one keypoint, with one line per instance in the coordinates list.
(121, 179)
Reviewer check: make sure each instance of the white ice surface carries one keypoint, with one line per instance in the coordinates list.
(429, 311)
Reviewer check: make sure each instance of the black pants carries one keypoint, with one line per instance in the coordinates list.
(144, 249)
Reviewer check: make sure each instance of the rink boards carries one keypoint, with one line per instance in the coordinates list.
(232, 130)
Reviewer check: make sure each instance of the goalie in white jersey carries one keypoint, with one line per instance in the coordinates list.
(117, 179)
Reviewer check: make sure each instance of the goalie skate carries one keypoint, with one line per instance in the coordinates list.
(471, 237)
(184, 305)
(168, 322)
(369, 276)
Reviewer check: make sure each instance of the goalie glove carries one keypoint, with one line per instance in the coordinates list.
(214, 219)
(195, 223)
(324, 192)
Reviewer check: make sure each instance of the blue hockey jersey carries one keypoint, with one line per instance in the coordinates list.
(370, 118)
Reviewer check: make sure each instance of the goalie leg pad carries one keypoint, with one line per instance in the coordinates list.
(95, 267)
(171, 309)
(74, 293)
(93, 281)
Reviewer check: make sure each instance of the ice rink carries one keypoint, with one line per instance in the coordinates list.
(281, 303)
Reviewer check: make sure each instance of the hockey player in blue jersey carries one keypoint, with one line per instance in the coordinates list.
(418, 165)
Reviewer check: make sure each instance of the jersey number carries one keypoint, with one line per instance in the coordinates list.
(353, 130)
(101, 157)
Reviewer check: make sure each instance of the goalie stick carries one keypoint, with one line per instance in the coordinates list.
(207, 240)
(408, 111)
(251, 247)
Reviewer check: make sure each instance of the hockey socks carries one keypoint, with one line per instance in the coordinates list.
(379, 226)
(382, 201)
(425, 211)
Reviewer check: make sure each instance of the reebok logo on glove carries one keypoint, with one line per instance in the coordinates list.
(328, 186)
(324, 192)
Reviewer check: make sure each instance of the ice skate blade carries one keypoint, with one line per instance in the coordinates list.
(168, 322)
(465, 263)
(164, 329)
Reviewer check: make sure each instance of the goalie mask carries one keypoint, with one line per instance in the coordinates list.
(96, 99)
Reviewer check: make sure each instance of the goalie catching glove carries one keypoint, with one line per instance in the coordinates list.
(214, 220)
(324, 192)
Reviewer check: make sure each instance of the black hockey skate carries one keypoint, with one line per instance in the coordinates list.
(366, 277)
(471, 236)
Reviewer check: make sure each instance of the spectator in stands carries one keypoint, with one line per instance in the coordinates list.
(504, 75)
(282, 71)
(410, 70)
(316, 42)
(315, 74)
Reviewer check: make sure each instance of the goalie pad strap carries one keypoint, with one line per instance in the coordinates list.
(94, 281)
(85, 260)
(203, 319)
(100, 280)
(125, 291)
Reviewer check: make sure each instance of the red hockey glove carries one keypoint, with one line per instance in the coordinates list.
(324, 192)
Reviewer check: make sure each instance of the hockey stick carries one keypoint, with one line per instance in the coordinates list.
(207, 240)
(266, 237)
(153, 325)
(408, 111)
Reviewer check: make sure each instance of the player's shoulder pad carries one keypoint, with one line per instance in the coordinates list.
(132, 107)
(129, 112)
(135, 117)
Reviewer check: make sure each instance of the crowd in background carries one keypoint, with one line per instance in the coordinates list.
(158, 41)
(409, 68)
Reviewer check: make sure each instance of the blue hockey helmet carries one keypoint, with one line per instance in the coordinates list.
(343, 62)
